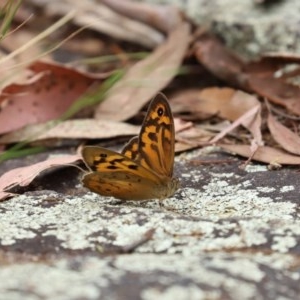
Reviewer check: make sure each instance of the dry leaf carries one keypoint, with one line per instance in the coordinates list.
(220, 61)
(101, 18)
(183, 146)
(162, 17)
(277, 91)
(146, 78)
(72, 129)
(226, 103)
(23, 176)
(263, 154)
(251, 120)
(49, 94)
(255, 76)
(287, 139)
(181, 125)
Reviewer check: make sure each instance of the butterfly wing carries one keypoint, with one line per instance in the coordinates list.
(157, 138)
(122, 185)
(130, 150)
(144, 168)
(102, 160)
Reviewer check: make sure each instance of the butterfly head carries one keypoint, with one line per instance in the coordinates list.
(172, 186)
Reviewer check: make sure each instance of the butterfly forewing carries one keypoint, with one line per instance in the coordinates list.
(102, 160)
(156, 142)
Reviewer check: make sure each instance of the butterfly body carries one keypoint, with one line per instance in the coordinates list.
(144, 168)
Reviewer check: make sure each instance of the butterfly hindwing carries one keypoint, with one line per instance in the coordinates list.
(122, 185)
(130, 150)
(157, 138)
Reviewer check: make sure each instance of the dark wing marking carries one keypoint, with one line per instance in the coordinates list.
(130, 150)
(102, 160)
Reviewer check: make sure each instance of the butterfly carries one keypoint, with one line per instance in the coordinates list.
(144, 168)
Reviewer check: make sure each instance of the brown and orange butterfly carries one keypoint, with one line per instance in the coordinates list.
(144, 168)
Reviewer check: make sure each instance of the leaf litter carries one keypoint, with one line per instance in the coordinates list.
(47, 96)
(231, 115)
(23, 176)
(146, 78)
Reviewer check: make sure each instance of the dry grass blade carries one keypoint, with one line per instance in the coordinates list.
(8, 66)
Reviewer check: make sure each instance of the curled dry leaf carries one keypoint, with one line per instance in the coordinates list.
(146, 78)
(271, 77)
(188, 136)
(101, 18)
(254, 76)
(71, 129)
(181, 125)
(251, 120)
(49, 94)
(226, 103)
(281, 57)
(287, 139)
(277, 91)
(162, 17)
(23, 176)
(222, 62)
(263, 154)
(233, 105)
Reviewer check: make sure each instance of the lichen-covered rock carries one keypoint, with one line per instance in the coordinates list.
(227, 234)
(248, 27)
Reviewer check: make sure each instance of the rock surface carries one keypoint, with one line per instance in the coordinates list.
(248, 27)
(228, 233)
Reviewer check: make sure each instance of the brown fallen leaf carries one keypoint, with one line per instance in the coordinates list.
(181, 125)
(219, 60)
(184, 146)
(287, 139)
(258, 76)
(251, 120)
(54, 90)
(72, 129)
(281, 57)
(236, 106)
(24, 176)
(277, 91)
(146, 78)
(226, 103)
(263, 154)
(101, 18)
